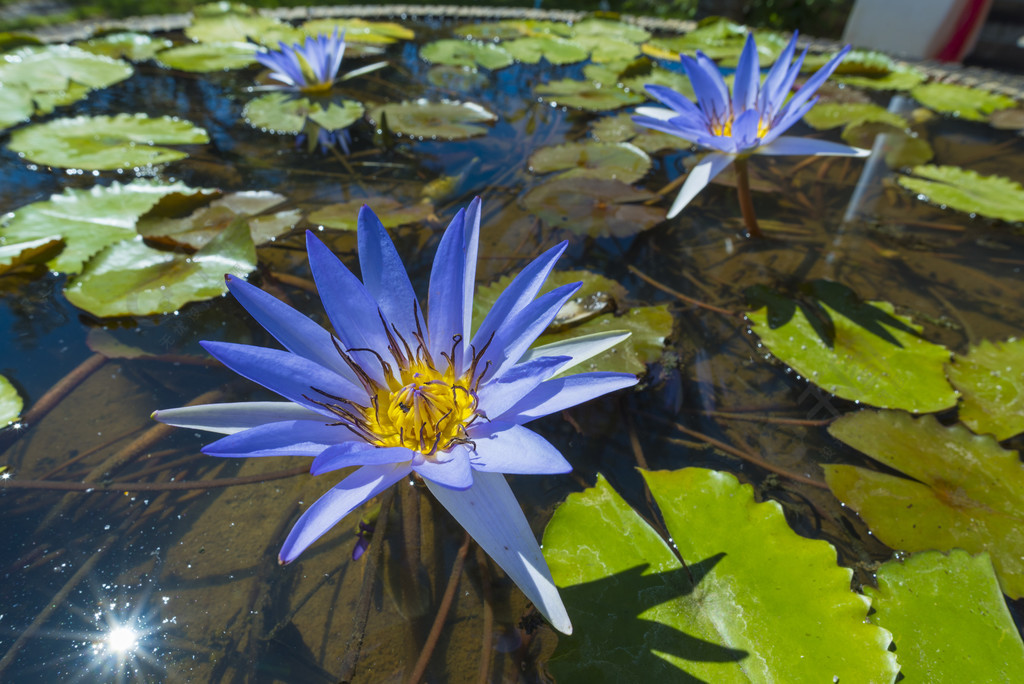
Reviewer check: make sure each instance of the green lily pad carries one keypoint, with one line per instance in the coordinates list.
(513, 28)
(967, 492)
(606, 50)
(587, 95)
(862, 365)
(466, 53)
(237, 23)
(131, 279)
(599, 208)
(360, 30)
(856, 63)
(52, 68)
(282, 112)
(658, 76)
(621, 128)
(756, 602)
(456, 78)
(902, 77)
(86, 221)
(391, 213)
(10, 402)
(967, 103)
(207, 222)
(597, 307)
(555, 50)
(991, 383)
(721, 40)
(207, 57)
(968, 191)
(621, 161)
(610, 29)
(948, 618)
(36, 251)
(833, 114)
(444, 120)
(902, 148)
(137, 47)
(16, 105)
(106, 142)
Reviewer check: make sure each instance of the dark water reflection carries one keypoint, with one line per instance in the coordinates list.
(194, 572)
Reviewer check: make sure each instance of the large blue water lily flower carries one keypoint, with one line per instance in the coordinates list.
(750, 120)
(312, 67)
(396, 392)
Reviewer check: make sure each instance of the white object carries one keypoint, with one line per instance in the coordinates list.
(920, 29)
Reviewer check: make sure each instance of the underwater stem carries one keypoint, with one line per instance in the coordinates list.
(746, 200)
(484, 672)
(678, 295)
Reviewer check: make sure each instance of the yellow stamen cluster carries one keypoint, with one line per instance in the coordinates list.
(724, 128)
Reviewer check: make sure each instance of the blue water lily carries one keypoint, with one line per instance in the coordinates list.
(397, 392)
(749, 120)
(311, 68)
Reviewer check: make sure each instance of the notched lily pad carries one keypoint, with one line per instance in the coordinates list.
(16, 105)
(587, 95)
(513, 28)
(901, 148)
(833, 114)
(948, 618)
(466, 53)
(967, 492)
(235, 23)
(968, 191)
(991, 383)
(610, 161)
(391, 213)
(756, 602)
(611, 29)
(622, 128)
(873, 358)
(282, 112)
(207, 222)
(11, 403)
(967, 103)
(362, 31)
(599, 208)
(207, 57)
(551, 48)
(52, 68)
(444, 120)
(607, 50)
(85, 221)
(132, 279)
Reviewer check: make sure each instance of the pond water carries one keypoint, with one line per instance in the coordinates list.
(165, 584)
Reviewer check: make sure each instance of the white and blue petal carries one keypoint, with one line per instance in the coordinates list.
(234, 417)
(505, 390)
(578, 349)
(710, 166)
(384, 274)
(284, 438)
(336, 503)
(452, 281)
(450, 470)
(357, 453)
(562, 393)
(502, 447)
(788, 144)
(747, 80)
(488, 510)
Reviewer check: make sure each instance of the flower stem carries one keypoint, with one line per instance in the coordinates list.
(746, 200)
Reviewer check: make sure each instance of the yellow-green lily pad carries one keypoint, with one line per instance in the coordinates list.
(391, 213)
(587, 95)
(513, 28)
(225, 22)
(362, 31)
(902, 148)
(967, 191)
(610, 161)
(52, 68)
(990, 378)
(207, 57)
(862, 364)
(282, 112)
(466, 53)
(967, 492)
(755, 602)
(130, 278)
(622, 128)
(551, 48)
(599, 208)
(444, 120)
(86, 221)
(833, 114)
(605, 50)
(948, 618)
(16, 105)
(967, 103)
(610, 29)
(11, 403)
(106, 142)
(204, 224)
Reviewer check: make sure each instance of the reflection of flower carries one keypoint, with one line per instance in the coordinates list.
(752, 121)
(396, 392)
(311, 68)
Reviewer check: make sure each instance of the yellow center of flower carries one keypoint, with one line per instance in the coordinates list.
(724, 128)
(427, 413)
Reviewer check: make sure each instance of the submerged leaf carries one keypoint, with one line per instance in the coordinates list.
(587, 95)
(10, 402)
(967, 103)
(206, 57)
(968, 191)
(991, 383)
(435, 120)
(599, 208)
(106, 142)
(132, 279)
(207, 222)
(862, 364)
(901, 147)
(610, 161)
(86, 221)
(756, 602)
(343, 215)
(466, 53)
(967, 491)
(948, 618)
